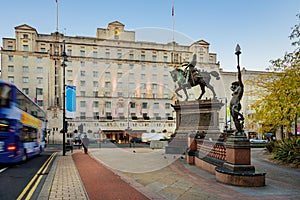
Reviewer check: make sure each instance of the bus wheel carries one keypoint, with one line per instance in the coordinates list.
(24, 156)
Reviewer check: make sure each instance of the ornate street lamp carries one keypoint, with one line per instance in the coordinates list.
(64, 65)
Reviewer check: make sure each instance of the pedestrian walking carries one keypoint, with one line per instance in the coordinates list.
(85, 143)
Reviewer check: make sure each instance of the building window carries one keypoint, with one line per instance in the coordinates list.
(166, 78)
(107, 94)
(154, 58)
(144, 105)
(39, 80)
(132, 104)
(154, 77)
(82, 93)
(119, 85)
(95, 74)
(82, 115)
(95, 54)
(107, 54)
(39, 91)
(156, 106)
(95, 104)
(11, 79)
(119, 66)
(69, 73)
(9, 47)
(143, 57)
(131, 56)
(39, 60)
(131, 66)
(131, 76)
(107, 75)
(95, 83)
(143, 67)
(11, 58)
(25, 80)
(11, 68)
(143, 77)
(25, 58)
(143, 86)
(82, 73)
(154, 86)
(40, 102)
(95, 93)
(82, 83)
(107, 104)
(25, 69)
(82, 63)
(43, 49)
(165, 58)
(131, 86)
(167, 105)
(82, 53)
(39, 70)
(119, 75)
(119, 55)
(96, 115)
(25, 48)
(25, 36)
(107, 84)
(120, 94)
(69, 52)
(25, 90)
(82, 104)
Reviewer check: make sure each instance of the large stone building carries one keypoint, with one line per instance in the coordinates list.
(123, 86)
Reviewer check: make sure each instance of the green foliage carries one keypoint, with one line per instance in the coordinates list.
(279, 90)
(287, 151)
(270, 146)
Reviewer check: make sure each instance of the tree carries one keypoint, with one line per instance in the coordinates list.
(279, 103)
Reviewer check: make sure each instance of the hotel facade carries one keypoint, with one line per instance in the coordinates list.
(123, 86)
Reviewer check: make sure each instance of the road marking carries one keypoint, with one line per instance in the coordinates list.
(42, 169)
(2, 170)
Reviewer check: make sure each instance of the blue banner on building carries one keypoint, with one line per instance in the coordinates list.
(70, 101)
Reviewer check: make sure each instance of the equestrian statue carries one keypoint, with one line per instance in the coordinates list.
(191, 77)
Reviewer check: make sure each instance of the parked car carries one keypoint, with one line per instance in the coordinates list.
(136, 140)
(256, 140)
(108, 140)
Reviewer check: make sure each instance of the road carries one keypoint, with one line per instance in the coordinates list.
(14, 178)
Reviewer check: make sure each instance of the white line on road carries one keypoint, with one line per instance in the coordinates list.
(2, 170)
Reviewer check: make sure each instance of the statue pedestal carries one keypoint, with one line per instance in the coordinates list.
(237, 170)
(191, 117)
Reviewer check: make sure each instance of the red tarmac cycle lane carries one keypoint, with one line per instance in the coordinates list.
(102, 183)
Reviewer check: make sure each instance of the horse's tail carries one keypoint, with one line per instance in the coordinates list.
(215, 74)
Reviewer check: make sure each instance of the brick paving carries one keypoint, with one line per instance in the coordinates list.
(100, 175)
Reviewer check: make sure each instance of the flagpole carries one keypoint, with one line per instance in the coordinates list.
(56, 15)
(173, 38)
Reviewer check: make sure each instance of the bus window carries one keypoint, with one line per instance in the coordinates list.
(4, 125)
(28, 134)
(5, 95)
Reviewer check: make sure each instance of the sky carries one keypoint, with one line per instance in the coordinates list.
(260, 27)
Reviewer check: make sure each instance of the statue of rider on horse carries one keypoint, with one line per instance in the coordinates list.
(191, 76)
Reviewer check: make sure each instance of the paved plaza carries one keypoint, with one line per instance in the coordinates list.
(156, 175)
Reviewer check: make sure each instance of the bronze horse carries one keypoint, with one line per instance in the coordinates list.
(196, 78)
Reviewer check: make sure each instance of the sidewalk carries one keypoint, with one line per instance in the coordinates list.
(113, 173)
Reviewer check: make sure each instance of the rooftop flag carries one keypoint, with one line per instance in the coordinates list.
(172, 10)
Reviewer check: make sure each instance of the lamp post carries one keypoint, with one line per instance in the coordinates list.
(238, 52)
(64, 55)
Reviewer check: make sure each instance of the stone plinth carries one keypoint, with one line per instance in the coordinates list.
(193, 116)
(237, 170)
